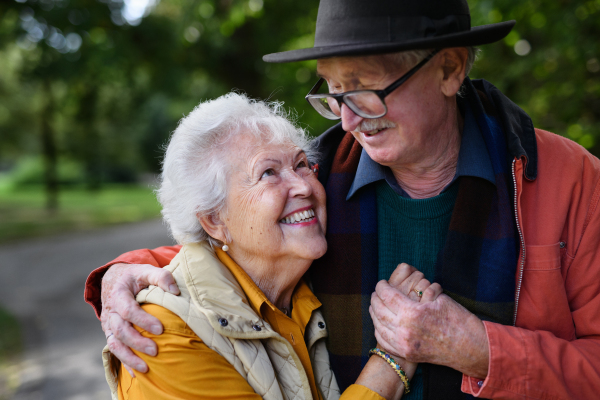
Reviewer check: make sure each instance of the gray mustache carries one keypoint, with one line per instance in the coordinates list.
(373, 124)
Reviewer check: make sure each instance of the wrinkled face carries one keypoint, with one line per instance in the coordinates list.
(415, 109)
(276, 206)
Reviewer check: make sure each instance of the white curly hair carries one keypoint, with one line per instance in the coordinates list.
(196, 168)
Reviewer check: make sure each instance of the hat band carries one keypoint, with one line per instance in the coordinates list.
(345, 31)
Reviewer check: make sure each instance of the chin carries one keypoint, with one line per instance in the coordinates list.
(319, 250)
(312, 249)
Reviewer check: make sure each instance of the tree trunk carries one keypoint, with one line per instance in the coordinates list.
(49, 151)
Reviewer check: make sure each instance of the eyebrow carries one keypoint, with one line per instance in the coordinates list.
(279, 161)
(272, 160)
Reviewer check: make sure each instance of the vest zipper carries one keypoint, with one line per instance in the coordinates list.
(522, 242)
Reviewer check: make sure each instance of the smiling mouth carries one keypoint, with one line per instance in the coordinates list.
(373, 132)
(299, 217)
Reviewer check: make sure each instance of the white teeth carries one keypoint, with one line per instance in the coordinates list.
(299, 216)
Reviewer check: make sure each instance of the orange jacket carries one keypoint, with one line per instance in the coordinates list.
(553, 351)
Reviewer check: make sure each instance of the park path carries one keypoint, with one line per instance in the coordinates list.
(42, 282)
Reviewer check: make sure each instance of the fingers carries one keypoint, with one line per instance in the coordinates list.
(127, 335)
(160, 277)
(384, 313)
(407, 286)
(418, 290)
(128, 368)
(382, 335)
(124, 353)
(123, 303)
(431, 293)
(401, 272)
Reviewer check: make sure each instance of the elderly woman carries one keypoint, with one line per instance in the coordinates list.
(239, 194)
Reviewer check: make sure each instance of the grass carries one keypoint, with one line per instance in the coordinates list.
(23, 213)
(10, 347)
(10, 336)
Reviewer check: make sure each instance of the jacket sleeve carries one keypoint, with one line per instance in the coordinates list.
(159, 257)
(538, 364)
(360, 392)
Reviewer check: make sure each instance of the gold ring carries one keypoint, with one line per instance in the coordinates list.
(418, 292)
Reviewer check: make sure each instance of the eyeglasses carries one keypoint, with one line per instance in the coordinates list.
(364, 103)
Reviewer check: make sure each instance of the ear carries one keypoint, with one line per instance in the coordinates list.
(454, 61)
(215, 227)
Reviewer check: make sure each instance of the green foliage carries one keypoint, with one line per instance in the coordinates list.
(30, 171)
(108, 92)
(549, 64)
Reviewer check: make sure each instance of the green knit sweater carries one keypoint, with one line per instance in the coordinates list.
(413, 232)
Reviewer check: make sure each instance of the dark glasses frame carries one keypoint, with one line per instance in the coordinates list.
(341, 97)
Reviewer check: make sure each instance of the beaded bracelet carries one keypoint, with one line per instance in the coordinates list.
(394, 365)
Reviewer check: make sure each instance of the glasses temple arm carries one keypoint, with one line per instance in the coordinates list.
(410, 73)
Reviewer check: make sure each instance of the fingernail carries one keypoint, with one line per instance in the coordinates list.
(156, 329)
(173, 289)
(140, 367)
(151, 351)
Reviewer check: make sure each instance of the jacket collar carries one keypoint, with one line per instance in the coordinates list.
(215, 290)
(517, 125)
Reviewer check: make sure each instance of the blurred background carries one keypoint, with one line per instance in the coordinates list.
(90, 91)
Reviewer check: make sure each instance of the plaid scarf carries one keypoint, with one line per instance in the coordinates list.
(476, 266)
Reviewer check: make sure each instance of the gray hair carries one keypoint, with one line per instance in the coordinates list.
(412, 57)
(195, 168)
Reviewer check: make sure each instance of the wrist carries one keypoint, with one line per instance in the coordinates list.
(377, 352)
(409, 367)
(475, 351)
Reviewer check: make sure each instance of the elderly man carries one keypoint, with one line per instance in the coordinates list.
(430, 169)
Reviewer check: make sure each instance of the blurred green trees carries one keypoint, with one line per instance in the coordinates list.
(98, 85)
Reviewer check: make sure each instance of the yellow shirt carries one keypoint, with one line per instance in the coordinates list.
(185, 368)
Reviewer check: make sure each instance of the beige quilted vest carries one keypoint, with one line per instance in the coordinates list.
(214, 306)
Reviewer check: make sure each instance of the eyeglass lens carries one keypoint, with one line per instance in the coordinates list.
(326, 106)
(365, 104)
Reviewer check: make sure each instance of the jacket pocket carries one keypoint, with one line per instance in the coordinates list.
(543, 303)
(542, 257)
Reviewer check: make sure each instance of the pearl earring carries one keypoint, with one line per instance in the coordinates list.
(225, 247)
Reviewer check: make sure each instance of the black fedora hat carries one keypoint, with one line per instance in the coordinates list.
(362, 27)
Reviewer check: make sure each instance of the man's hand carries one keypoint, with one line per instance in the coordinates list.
(120, 284)
(436, 330)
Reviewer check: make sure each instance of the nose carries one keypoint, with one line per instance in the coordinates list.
(299, 186)
(349, 119)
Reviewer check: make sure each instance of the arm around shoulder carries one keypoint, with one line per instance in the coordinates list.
(159, 257)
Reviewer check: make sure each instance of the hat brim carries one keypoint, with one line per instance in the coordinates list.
(477, 36)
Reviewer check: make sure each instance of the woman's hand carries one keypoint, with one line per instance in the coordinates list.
(411, 282)
(433, 328)
(377, 374)
(120, 284)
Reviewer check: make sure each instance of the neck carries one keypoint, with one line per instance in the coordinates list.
(431, 174)
(277, 278)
